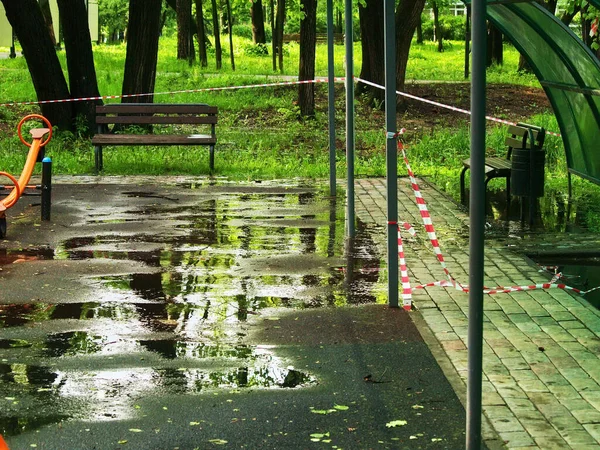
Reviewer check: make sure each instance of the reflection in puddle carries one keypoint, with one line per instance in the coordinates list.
(18, 256)
(179, 327)
(576, 270)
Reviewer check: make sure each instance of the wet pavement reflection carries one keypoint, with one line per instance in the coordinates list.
(180, 326)
(561, 238)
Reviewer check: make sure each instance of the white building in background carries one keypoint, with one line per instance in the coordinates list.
(92, 7)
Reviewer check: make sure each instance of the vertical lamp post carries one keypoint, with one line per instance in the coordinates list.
(477, 223)
(391, 152)
(350, 119)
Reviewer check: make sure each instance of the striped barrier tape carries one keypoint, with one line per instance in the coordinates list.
(406, 289)
(252, 86)
(184, 91)
(442, 105)
(451, 282)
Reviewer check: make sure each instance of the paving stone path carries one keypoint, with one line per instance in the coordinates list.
(541, 369)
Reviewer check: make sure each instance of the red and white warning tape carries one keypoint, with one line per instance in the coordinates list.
(451, 282)
(185, 91)
(252, 86)
(442, 105)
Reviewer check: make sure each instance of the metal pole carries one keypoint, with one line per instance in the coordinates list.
(391, 151)
(331, 99)
(46, 188)
(467, 41)
(350, 117)
(477, 224)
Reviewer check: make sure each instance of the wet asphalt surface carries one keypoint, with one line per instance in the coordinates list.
(207, 314)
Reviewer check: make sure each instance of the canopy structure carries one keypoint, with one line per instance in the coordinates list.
(567, 70)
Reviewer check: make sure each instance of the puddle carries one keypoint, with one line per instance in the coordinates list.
(19, 256)
(219, 256)
(581, 271)
(562, 238)
(553, 213)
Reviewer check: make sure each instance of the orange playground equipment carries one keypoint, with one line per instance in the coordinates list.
(21, 186)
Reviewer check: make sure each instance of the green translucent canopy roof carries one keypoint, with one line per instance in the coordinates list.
(567, 70)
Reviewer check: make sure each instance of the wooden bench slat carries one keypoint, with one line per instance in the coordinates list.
(518, 143)
(149, 120)
(154, 108)
(155, 114)
(153, 139)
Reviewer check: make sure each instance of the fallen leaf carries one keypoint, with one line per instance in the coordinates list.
(396, 423)
(218, 441)
(135, 430)
(341, 407)
(124, 441)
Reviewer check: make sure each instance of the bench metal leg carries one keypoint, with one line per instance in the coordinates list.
(508, 193)
(462, 186)
(98, 158)
(211, 163)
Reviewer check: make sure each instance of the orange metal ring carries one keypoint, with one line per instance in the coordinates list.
(14, 181)
(34, 116)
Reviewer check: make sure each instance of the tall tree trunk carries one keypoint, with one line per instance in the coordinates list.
(371, 20)
(274, 43)
(495, 50)
(420, 30)
(48, 80)
(338, 21)
(588, 38)
(201, 34)
(142, 50)
(45, 7)
(217, 33)
(436, 26)
(308, 43)
(280, 21)
(258, 22)
(568, 17)
(230, 30)
(80, 61)
(407, 17)
(184, 31)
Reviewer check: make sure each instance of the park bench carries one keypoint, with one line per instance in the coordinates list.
(500, 167)
(180, 125)
(338, 38)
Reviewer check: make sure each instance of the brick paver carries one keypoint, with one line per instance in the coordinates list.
(541, 365)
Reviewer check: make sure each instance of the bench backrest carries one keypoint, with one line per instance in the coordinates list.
(155, 113)
(338, 38)
(519, 137)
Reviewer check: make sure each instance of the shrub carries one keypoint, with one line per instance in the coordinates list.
(256, 49)
(453, 27)
(245, 31)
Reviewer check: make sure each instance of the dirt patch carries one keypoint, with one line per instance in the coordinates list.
(504, 101)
